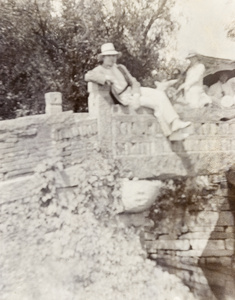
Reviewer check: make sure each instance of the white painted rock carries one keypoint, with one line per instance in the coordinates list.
(227, 101)
(139, 195)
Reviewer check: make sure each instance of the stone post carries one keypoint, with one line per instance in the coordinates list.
(53, 103)
(100, 107)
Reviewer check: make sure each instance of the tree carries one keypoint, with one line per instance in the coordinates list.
(25, 64)
(231, 31)
(140, 29)
(51, 51)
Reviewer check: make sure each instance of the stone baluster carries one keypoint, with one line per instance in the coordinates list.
(53, 103)
(100, 106)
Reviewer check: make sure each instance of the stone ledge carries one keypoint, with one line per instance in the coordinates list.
(207, 244)
(225, 219)
(198, 235)
(216, 253)
(230, 244)
(222, 235)
(169, 245)
(18, 188)
(205, 253)
(118, 110)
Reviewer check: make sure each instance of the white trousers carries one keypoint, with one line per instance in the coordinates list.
(156, 100)
(159, 102)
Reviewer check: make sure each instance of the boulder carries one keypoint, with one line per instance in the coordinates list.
(139, 195)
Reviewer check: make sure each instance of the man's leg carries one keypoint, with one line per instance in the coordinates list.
(159, 102)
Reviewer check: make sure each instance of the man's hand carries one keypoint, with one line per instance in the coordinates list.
(135, 101)
(108, 82)
(181, 87)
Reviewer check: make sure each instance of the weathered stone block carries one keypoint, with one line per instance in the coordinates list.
(139, 195)
(207, 218)
(225, 206)
(226, 261)
(206, 244)
(189, 253)
(217, 253)
(225, 219)
(213, 129)
(18, 188)
(166, 237)
(53, 103)
(205, 129)
(202, 261)
(215, 244)
(208, 228)
(8, 146)
(230, 229)
(224, 128)
(28, 132)
(153, 256)
(212, 260)
(149, 236)
(195, 235)
(221, 235)
(230, 244)
(189, 145)
(188, 260)
(232, 144)
(225, 144)
(19, 172)
(171, 244)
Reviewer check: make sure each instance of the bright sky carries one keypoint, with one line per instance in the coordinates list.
(203, 27)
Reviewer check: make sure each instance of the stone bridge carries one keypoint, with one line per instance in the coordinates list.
(200, 231)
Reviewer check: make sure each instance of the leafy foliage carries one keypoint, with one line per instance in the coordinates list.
(97, 256)
(52, 50)
(180, 196)
(231, 31)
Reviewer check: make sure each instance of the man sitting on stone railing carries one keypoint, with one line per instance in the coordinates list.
(127, 91)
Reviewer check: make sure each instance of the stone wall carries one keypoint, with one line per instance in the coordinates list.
(136, 141)
(27, 141)
(135, 138)
(193, 223)
(41, 240)
(197, 228)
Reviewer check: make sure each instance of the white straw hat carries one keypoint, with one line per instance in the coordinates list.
(108, 49)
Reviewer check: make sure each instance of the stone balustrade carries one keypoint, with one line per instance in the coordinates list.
(135, 139)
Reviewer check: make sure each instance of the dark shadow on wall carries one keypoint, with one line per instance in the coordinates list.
(178, 148)
(230, 175)
(220, 271)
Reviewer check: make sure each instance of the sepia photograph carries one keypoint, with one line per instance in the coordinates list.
(117, 150)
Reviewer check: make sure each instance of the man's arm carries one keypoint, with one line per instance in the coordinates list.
(135, 85)
(96, 75)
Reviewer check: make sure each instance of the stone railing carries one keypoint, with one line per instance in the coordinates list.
(26, 141)
(136, 139)
(205, 233)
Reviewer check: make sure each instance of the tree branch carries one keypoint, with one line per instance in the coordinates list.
(154, 17)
